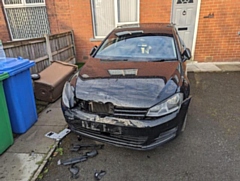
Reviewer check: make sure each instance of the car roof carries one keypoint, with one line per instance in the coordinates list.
(158, 28)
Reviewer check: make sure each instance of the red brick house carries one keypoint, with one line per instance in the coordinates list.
(210, 28)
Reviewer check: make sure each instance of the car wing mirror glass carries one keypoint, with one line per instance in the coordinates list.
(186, 54)
(93, 50)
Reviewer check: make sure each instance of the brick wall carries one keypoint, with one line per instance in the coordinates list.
(76, 15)
(218, 38)
(4, 34)
(82, 26)
(155, 11)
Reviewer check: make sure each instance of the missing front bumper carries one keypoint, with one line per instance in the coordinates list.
(137, 143)
(135, 134)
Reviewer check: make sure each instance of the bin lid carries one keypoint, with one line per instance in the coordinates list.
(3, 76)
(15, 65)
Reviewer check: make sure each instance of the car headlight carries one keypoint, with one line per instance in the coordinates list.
(68, 95)
(168, 106)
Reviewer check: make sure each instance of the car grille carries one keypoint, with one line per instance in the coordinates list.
(100, 108)
(109, 109)
(130, 112)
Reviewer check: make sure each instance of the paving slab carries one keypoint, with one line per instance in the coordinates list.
(212, 66)
(208, 67)
(191, 67)
(34, 140)
(228, 67)
(51, 117)
(56, 104)
(19, 166)
(227, 63)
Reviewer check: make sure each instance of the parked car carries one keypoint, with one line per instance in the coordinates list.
(134, 91)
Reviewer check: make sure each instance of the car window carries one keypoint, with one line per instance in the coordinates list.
(138, 48)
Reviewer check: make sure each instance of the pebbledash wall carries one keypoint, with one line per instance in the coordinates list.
(217, 38)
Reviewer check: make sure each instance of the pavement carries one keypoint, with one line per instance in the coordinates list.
(213, 67)
(26, 158)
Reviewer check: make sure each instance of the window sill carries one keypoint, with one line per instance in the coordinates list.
(96, 39)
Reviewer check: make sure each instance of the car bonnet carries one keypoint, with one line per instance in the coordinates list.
(95, 83)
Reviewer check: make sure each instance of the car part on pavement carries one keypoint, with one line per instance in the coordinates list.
(58, 136)
(90, 146)
(83, 158)
(72, 160)
(91, 154)
(74, 169)
(99, 175)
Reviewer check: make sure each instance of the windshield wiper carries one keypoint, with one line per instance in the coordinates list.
(112, 59)
(161, 60)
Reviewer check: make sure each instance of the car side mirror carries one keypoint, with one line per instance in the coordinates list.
(93, 50)
(186, 54)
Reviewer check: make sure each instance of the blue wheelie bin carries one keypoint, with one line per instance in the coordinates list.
(19, 93)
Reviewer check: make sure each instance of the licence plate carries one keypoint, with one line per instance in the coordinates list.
(102, 127)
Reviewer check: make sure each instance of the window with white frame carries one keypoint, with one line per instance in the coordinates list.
(108, 14)
(26, 18)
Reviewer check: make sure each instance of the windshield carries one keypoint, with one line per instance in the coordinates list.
(138, 48)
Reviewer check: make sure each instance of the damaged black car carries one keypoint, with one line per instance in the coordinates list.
(133, 91)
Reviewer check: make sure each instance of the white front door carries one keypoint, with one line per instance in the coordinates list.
(184, 13)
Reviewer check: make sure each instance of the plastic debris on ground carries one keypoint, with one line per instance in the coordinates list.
(58, 136)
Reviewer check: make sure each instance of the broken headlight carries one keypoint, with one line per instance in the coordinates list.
(68, 95)
(168, 106)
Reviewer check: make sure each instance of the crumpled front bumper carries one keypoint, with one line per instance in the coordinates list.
(130, 133)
